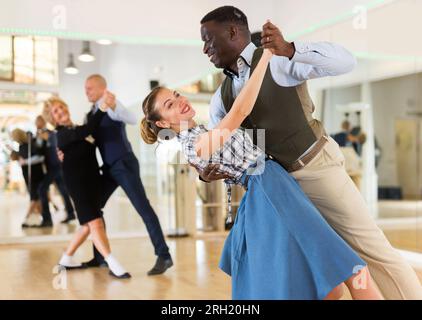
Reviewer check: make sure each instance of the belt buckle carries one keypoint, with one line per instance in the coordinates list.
(270, 157)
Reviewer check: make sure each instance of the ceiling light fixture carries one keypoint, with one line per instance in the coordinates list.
(71, 67)
(86, 55)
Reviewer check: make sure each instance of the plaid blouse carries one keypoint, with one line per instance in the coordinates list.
(235, 157)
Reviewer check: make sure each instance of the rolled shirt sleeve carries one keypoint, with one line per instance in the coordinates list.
(320, 59)
(121, 113)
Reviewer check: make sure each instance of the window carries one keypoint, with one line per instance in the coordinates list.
(23, 48)
(6, 55)
(27, 59)
(45, 64)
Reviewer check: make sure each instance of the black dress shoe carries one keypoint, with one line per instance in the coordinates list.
(161, 265)
(68, 219)
(93, 263)
(123, 276)
(44, 224)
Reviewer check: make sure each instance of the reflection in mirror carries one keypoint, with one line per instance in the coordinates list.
(396, 107)
(374, 113)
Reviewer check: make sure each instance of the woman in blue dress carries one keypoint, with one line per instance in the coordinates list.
(280, 247)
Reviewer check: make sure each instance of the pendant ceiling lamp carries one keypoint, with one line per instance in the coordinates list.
(86, 54)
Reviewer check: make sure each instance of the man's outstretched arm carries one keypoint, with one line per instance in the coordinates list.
(301, 61)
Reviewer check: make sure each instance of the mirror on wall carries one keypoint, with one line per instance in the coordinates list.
(373, 112)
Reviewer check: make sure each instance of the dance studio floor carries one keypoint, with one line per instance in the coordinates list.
(27, 272)
(27, 258)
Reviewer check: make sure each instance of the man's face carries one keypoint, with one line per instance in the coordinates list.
(219, 45)
(40, 123)
(94, 90)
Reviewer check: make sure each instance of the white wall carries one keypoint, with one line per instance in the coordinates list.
(393, 99)
(165, 19)
(71, 87)
(128, 70)
(332, 118)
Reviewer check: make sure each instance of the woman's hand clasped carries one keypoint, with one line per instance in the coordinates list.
(108, 101)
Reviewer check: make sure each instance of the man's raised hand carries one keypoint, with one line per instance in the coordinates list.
(273, 39)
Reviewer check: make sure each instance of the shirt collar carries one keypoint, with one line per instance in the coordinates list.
(247, 54)
(94, 107)
(243, 62)
(184, 135)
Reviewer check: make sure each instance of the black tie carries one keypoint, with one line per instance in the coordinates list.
(92, 112)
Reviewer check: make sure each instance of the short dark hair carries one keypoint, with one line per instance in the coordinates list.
(227, 14)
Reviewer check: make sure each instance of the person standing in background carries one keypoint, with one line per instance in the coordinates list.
(342, 138)
(31, 161)
(47, 141)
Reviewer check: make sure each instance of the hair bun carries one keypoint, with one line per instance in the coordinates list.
(147, 133)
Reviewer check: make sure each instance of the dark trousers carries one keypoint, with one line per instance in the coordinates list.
(54, 175)
(125, 173)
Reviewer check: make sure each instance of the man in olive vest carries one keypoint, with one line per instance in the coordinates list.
(295, 139)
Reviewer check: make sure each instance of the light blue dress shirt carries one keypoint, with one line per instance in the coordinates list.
(120, 113)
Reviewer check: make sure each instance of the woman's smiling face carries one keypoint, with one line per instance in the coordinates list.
(60, 114)
(173, 108)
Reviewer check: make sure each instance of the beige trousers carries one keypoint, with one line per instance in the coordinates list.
(329, 187)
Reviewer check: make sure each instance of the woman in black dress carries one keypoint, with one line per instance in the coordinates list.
(83, 180)
(31, 160)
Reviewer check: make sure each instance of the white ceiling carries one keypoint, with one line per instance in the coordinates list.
(390, 44)
(167, 19)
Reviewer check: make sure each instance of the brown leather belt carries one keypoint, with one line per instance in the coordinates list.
(302, 162)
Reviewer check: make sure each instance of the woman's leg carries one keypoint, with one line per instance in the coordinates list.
(37, 209)
(77, 240)
(336, 293)
(50, 200)
(362, 287)
(99, 237)
(67, 257)
(31, 209)
(25, 223)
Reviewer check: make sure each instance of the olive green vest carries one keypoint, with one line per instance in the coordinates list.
(284, 112)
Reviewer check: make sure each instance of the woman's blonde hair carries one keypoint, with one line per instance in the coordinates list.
(19, 136)
(46, 112)
(149, 130)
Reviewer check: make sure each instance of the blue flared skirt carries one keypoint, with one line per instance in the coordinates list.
(280, 247)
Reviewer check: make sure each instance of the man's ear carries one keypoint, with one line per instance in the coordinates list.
(234, 32)
(162, 124)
